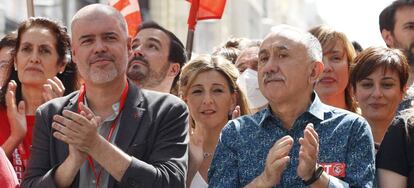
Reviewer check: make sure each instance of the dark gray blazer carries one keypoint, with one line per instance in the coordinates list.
(153, 129)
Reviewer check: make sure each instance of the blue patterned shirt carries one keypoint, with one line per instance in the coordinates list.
(244, 143)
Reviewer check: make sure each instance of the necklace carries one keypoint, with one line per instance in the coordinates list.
(207, 155)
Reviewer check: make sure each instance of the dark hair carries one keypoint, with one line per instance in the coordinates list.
(374, 58)
(232, 48)
(177, 52)
(357, 46)
(387, 16)
(9, 40)
(68, 77)
(230, 53)
(60, 32)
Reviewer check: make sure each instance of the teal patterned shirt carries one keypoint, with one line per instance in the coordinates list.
(345, 138)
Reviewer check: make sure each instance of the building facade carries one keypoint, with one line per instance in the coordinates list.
(241, 18)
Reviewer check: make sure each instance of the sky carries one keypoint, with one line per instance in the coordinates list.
(358, 19)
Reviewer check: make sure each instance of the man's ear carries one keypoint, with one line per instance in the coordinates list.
(388, 37)
(129, 46)
(317, 69)
(74, 58)
(174, 69)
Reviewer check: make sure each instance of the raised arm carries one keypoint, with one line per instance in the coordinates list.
(16, 115)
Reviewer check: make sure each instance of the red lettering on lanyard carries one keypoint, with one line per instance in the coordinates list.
(335, 169)
(82, 93)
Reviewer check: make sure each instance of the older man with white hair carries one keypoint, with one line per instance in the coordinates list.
(297, 141)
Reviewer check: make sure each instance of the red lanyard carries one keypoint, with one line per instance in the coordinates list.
(82, 93)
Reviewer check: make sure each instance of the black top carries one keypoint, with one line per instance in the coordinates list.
(396, 152)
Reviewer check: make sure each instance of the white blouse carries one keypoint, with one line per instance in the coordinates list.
(198, 181)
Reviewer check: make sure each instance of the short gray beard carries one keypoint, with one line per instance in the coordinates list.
(101, 77)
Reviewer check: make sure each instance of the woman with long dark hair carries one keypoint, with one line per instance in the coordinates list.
(42, 71)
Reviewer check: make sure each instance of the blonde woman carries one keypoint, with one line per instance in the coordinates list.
(208, 86)
(338, 54)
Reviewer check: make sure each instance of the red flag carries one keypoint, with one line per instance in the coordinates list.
(131, 12)
(205, 9)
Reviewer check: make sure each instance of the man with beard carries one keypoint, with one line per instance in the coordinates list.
(396, 23)
(157, 58)
(110, 133)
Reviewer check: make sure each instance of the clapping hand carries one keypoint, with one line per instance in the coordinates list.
(15, 113)
(53, 89)
(276, 161)
(77, 129)
(236, 112)
(308, 153)
(195, 154)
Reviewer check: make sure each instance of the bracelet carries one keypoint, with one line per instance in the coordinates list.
(315, 176)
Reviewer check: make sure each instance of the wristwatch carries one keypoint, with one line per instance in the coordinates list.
(315, 176)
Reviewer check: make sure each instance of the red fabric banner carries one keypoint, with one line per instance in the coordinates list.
(131, 12)
(205, 9)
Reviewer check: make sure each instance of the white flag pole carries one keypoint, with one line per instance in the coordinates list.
(30, 8)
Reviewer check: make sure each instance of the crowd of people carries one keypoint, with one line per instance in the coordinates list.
(297, 108)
